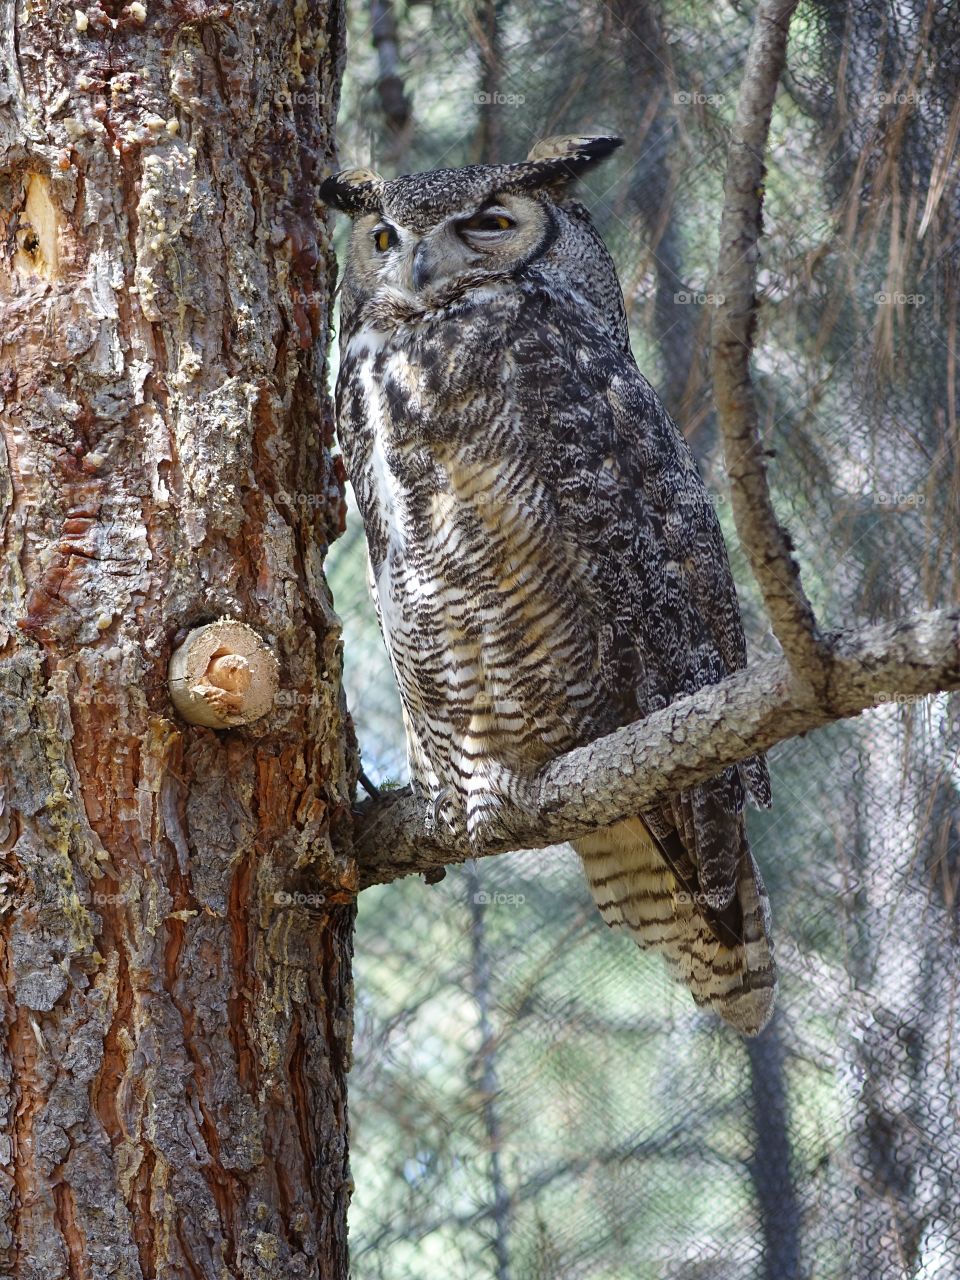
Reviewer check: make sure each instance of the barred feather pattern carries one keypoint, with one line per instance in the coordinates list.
(547, 565)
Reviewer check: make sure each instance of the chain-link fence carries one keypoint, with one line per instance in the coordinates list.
(532, 1098)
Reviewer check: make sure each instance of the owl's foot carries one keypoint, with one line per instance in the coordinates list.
(477, 814)
(443, 808)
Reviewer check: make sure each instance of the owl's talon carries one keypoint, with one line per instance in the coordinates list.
(443, 809)
(442, 801)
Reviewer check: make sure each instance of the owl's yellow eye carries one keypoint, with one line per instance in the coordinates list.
(487, 222)
(384, 238)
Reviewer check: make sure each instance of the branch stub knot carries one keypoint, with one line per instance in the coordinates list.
(223, 675)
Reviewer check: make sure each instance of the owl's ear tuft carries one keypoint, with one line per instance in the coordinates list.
(574, 146)
(353, 191)
(565, 158)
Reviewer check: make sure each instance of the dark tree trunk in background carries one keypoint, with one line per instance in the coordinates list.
(177, 926)
(390, 87)
(770, 1162)
(485, 1067)
(678, 309)
(488, 37)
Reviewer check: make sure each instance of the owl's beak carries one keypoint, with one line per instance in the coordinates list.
(421, 266)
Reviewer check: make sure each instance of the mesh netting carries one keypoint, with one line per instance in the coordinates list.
(532, 1097)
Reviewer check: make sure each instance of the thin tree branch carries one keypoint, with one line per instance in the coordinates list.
(766, 543)
(693, 739)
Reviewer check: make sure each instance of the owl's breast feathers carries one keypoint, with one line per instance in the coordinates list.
(549, 565)
(520, 475)
(486, 615)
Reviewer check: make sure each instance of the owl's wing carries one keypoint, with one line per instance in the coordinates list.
(354, 434)
(631, 498)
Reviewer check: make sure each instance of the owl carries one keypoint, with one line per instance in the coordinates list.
(545, 559)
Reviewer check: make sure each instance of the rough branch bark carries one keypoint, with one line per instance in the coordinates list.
(766, 543)
(619, 775)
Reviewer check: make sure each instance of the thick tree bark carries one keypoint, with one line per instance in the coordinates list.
(177, 924)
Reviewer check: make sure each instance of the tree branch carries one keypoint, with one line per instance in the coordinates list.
(766, 543)
(693, 739)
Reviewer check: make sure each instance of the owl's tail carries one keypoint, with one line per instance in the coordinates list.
(728, 965)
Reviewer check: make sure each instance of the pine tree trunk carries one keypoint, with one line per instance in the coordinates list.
(177, 905)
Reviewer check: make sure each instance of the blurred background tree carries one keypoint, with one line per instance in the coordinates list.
(532, 1098)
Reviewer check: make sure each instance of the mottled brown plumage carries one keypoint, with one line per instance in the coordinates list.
(545, 559)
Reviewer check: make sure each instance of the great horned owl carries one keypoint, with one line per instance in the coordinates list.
(546, 562)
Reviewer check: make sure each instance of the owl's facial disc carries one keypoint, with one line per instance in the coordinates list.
(462, 251)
